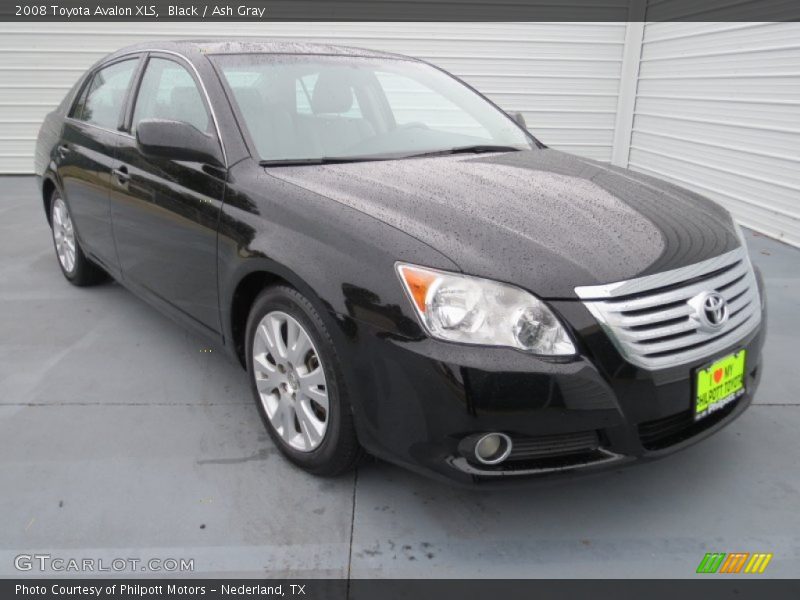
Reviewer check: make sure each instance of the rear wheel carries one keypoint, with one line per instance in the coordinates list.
(297, 383)
(78, 269)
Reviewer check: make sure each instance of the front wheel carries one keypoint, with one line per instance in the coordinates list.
(78, 269)
(297, 382)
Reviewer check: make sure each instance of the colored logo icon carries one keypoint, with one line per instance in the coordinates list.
(735, 562)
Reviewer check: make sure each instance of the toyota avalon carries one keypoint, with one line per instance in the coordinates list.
(399, 265)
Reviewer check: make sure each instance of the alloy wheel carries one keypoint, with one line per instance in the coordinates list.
(290, 381)
(64, 235)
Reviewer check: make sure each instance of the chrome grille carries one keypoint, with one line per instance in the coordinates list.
(652, 323)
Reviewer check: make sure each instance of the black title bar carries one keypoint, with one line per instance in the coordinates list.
(400, 10)
(708, 588)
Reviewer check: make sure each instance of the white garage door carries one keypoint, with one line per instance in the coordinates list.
(718, 111)
(563, 77)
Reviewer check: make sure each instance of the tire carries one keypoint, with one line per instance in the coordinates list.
(288, 375)
(78, 269)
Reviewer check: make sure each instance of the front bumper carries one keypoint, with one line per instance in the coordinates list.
(415, 401)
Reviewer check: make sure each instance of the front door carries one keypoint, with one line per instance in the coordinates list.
(165, 212)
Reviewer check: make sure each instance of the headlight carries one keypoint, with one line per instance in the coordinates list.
(471, 310)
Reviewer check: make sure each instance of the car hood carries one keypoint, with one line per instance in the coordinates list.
(541, 219)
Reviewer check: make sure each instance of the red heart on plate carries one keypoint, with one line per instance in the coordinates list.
(717, 375)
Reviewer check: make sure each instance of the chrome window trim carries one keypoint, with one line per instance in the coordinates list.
(672, 344)
(199, 79)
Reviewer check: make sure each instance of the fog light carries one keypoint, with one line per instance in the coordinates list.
(492, 448)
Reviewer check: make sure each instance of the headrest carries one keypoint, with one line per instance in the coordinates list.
(332, 93)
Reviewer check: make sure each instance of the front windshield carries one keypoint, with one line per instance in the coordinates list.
(306, 107)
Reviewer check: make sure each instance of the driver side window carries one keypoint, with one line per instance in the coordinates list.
(168, 91)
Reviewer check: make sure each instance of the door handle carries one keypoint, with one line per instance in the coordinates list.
(121, 174)
(62, 150)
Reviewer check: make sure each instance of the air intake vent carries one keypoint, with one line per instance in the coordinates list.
(530, 448)
(654, 323)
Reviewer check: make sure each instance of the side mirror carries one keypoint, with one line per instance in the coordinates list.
(177, 140)
(520, 120)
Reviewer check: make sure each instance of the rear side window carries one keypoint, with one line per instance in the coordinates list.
(168, 91)
(102, 101)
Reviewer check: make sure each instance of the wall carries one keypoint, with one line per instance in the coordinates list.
(718, 110)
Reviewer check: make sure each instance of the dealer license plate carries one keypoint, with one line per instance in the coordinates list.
(719, 384)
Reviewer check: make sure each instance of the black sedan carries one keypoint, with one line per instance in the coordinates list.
(399, 265)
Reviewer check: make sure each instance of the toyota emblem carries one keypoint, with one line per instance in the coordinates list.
(711, 310)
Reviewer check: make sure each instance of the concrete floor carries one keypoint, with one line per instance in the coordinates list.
(120, 437)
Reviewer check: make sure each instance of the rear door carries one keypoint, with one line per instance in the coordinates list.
(85, 156)
(165, 212)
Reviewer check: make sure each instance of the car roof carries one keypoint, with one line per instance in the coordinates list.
(192, 49)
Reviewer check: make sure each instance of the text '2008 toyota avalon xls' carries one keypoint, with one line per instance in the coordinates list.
(400, 266)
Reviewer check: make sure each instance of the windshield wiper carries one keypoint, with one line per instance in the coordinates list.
(476, 149)
(332, 160)
(322, 160)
